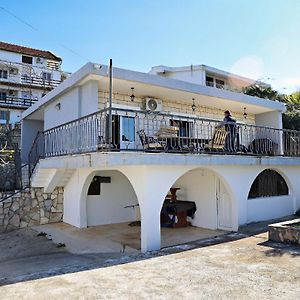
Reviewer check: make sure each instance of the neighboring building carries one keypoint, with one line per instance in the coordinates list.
(161, 133)
(26, 75)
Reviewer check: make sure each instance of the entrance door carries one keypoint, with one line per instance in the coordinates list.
(127, 132)
(224, 207)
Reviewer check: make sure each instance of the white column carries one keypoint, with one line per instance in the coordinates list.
(151, 184)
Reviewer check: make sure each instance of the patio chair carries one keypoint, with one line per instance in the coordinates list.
(150, 143)
(218, 141)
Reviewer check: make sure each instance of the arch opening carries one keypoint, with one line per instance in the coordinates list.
(203, 205)
(269, 183)
(269, 197)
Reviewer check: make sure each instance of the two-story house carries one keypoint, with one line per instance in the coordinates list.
(26, 75)
(112, 144)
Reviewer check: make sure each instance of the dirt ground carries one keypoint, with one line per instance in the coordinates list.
(235, 266)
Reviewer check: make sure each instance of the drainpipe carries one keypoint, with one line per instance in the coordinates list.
(110, 107)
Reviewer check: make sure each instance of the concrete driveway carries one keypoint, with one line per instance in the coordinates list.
(240, 266)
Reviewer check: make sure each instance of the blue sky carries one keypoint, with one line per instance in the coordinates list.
(256, 38)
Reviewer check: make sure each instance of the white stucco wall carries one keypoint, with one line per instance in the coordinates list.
(76, 103)
(29, 131)
(108, 207)
(268, 208)
(270, 119)
(200, 186)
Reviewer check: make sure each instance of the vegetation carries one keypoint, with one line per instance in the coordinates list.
(290, 119)
(264, 91)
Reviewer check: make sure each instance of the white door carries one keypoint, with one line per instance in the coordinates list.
(224, 207)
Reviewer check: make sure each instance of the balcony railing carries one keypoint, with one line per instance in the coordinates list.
(39, 81)
(16, 101)
(222, 86)
(159, 132)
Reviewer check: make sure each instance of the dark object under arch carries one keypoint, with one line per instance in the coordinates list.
(268, 183)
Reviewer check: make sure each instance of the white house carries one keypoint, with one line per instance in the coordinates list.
(26, 75)
(162, 132)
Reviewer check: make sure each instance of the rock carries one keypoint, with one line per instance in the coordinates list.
(45, 196)
(15, 221)
(34, 203)
(60, 198)
(48, 204)
(42, 212)
(38, 193)
(44, 220)
(23, 224)
(35, 216)
(52, 196)
(59, 208)
(15, 206)
(53, 209)
(55, 217)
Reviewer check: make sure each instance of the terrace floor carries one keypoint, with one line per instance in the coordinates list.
(116, 238)
(234, 266)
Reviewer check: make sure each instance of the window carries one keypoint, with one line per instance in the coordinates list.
(220, 83)
(4, 115)
(26, 59)
(185, 127)
(3, 74)
(46, 76)
(268, 183)
(95, 186)
(209, 81)
(128, 129)
(3, 95)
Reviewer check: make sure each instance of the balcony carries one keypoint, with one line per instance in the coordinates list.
(39, 81)
(12, 101)
(131, 130)
(222, 86)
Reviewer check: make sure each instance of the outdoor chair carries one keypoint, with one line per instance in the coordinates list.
(150, 143)
(218, 141)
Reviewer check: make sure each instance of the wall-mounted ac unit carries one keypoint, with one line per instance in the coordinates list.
(152, 104)
(39, 60)
(13, 71)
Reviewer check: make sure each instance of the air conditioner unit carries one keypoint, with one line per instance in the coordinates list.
(152, 104)
(13, 71)
(39, 60)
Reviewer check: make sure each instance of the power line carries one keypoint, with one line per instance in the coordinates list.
(37, 30)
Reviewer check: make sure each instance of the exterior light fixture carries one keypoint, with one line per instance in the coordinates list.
(193, 105)
(132, 97)
(58, 106)
(245, 113)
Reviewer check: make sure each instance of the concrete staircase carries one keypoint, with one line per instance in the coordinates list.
(49, 178)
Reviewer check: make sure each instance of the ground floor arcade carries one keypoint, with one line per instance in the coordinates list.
(226, 195)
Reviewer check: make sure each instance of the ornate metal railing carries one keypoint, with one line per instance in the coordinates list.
(39, 81)
(159, 132)
(37, 151)
(16, 101)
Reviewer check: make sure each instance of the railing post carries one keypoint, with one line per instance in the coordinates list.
(110, 107)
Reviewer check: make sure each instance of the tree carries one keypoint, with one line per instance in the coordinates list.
(293, 101)
(263, 91)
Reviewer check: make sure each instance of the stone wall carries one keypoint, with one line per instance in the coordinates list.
(176, 107)
(32, 207)
(285, 232)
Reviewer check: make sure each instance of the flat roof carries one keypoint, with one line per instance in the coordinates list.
(92, 71)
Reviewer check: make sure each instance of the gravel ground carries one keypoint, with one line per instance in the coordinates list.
(236, 266)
